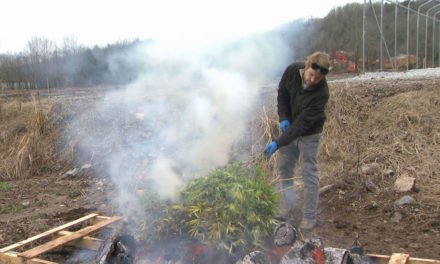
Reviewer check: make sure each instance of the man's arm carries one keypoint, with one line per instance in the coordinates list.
(283, 98)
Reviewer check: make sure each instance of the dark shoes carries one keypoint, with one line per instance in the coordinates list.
(308, 224)
(292, 216)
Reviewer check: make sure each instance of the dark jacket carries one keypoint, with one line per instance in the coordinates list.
(303, 108)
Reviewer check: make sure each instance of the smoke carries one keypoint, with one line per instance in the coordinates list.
(182, 115)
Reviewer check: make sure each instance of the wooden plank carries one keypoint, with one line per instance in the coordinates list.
(398, 258)
(422, 261)
(85, 242)
(98, 219)
(379, 259)
(34, 252)
(47, 233)
(384, 259)
(12, 258)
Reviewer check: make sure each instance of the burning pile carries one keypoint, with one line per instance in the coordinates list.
(288, 249)
(231, 209)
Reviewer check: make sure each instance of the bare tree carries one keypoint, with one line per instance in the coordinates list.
(39, 51)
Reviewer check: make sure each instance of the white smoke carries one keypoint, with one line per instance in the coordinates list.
(183, 115)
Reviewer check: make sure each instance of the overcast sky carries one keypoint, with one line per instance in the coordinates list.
(101, 22)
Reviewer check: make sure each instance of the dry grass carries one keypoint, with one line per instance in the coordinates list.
(266, 125)
(393, 127)
(27, 139)
(403, 134)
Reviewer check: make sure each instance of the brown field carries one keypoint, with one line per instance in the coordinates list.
(389, 125)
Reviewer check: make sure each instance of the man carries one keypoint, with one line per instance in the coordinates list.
(302, 96)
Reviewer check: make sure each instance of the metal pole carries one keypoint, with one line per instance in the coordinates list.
(363, 35)
(407, 36)
(425, 59)
(381, 36)
(395, 31)
(433, 38)
(381, 33)
(417, 31)
(439, 44)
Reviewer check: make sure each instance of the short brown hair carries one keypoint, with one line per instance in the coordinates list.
(319, 57)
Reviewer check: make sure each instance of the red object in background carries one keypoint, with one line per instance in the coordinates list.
(340, 56)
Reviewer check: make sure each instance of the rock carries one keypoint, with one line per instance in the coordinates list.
(372, 206)
(76, 171)
(396, 218)
(255, 257)
(334, 255)
(370, 168)
(404, 183)
(285, 234)
(304, 252)
(72, 172)
(405, 200)
(414, 245)
(341, 224)
(327, 189)
(371, 187)
(389, 173)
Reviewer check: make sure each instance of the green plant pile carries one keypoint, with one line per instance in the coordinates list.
(230, 208)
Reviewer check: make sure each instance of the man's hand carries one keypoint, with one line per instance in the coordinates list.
(271, 148)
(284, 125)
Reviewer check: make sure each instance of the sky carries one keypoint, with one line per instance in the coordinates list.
(100, 22)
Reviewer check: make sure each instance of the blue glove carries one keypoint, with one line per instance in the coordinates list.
(284, 125)
(271, 148)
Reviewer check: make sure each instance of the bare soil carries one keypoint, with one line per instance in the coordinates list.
(35, 204)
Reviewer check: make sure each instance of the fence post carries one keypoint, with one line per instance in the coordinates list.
(407, 35)
(363, 35)
(433, 38)
(417, 31)
(425, 59)
(395, 33)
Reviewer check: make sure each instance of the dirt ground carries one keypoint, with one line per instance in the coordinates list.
(35, 204)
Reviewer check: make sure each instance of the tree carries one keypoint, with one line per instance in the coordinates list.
(39, 51)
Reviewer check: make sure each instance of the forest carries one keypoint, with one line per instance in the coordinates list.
(43, 64)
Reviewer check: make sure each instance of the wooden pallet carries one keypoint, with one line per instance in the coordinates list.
(399, 258)
(60, 237)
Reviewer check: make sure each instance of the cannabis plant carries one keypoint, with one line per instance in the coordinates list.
(231, 207)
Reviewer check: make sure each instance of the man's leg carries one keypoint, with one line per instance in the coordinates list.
(287, 162)
(309, 148)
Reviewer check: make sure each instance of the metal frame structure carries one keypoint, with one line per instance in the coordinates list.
(417, 34)
(429, 9)
(433, 38)
(425, 58)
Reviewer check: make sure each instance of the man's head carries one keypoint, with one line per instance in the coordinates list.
(316, 68)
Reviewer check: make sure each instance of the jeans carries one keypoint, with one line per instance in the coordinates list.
(305, 148)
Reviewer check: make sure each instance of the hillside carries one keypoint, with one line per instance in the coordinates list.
(380, 128)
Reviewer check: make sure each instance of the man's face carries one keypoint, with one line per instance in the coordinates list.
(312, 77)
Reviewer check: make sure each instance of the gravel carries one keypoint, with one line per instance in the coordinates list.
(411, 74)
